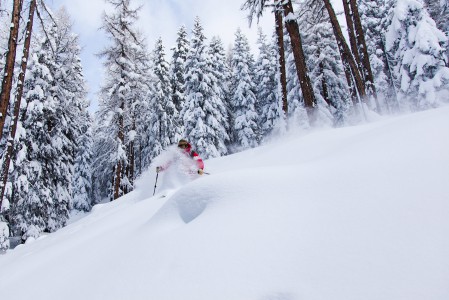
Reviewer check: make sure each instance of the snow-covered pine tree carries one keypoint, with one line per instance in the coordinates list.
(220, 70)
(246, 132)
(141, 111)
(142, 116)
(297, 114)
(4, 236)
(256, 8)
(324, 62)
(31, 199)
(120, 93)
(353, 73)
(359, 50)
(177, 70)
(203, 114)
(439, 11)
(162, 131)
(44, 157)
(416, 45)
(268, 105)
(73, 119)
(82, 179)
(8, 140)
(374, 15)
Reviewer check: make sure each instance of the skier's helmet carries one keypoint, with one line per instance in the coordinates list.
(183, 144)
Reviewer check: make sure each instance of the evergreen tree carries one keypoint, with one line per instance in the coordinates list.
(326, 68)
(141, 111)
(416, 45)
(439, 11)
(73, 119)
(163, 110)
(256, 8)
(268, 105)
(32, 185)
(177, 70)
(4, 236)
(353, 73)
(9, 142)
(219, 68)
(82, 179)
(48, 132)
(142, 115)
(205, 124)
(374, 19)
(297, 115)
(246, 132)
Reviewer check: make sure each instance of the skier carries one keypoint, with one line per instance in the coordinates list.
(186, 149)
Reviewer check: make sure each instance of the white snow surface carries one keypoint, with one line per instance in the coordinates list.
(335, 214)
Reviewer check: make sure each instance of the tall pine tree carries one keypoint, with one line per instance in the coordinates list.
(268, 105)
(246, 133)
(177, 70)
(219, 68)
(49, 129)
(205, 124)
(163, 111)
(416, 45)
(374, 16)
(326, 68)
(297, 115)
(82, 179)
(31, 199)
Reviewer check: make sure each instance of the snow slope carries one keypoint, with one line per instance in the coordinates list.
(338, 214)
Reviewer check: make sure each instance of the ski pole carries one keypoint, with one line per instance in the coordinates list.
(155, 184)
(203, 172)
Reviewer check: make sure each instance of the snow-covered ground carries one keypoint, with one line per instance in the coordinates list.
(338, 214)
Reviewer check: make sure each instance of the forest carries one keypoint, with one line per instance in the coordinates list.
(389, 58)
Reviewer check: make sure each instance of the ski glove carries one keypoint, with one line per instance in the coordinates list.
(158, 169)
(200, 171)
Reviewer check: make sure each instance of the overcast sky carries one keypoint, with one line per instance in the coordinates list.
(158, 18)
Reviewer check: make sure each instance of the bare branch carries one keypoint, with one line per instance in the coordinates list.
(43, 24)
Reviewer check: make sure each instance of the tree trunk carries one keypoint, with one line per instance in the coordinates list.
(345, 52)
(131, 166)
(300, 60)
(324, 85)
(353, 43)
(18, 99)
(281, 51)
(111, 194)
(117, 180)
(363, 51)
(140, 156)
(5, 93)
(350, 81)
(351, 34)
(392, 99)
(120, 164)
(131, 163)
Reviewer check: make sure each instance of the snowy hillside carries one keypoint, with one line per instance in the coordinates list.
(338, 214)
